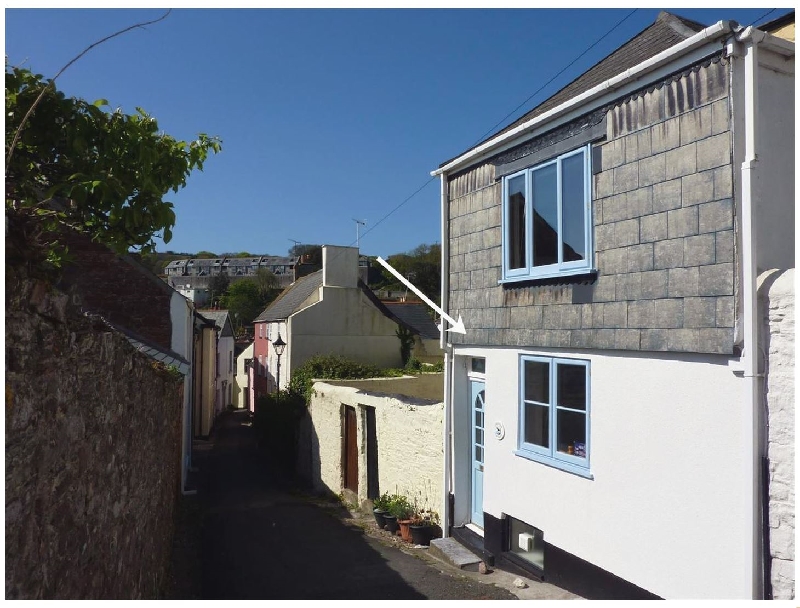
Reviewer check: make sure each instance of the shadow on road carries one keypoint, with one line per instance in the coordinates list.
(261, 541)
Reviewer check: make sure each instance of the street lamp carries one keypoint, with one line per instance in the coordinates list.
(279, 345)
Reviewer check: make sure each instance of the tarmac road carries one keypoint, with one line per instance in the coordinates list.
(259, 539)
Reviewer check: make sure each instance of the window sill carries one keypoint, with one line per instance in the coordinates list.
(556, 464)
(562, 278)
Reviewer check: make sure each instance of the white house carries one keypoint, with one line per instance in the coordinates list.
(604, 424)
(241, 398)
(329, 312)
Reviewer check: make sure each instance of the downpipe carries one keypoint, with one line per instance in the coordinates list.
(448, 361)
(750, 358)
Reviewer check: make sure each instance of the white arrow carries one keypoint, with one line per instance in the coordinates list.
(458, 326)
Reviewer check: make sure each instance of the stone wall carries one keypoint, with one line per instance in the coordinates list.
(663, 219)
(92, 438)
(409, 431)
(777, 304)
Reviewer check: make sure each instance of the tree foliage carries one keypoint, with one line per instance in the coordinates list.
(218, 285)
(422, 266)
(97, 170)
(268, 284)
(245, 299)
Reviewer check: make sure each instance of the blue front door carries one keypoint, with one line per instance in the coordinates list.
(477, 394)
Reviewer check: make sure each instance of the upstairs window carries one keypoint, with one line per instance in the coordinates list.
(547, 219)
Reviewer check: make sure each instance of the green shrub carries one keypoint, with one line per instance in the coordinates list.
(400, 507)
(331, 367)
(276, 422)
(414, 365)
(406, 342)
(436, 367)
(382, 502)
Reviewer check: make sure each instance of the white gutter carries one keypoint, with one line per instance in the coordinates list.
(703, 37)
(749, 359)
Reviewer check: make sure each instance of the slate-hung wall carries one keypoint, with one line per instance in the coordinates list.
(663, 218)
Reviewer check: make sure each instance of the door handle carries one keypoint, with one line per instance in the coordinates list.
(480, 468)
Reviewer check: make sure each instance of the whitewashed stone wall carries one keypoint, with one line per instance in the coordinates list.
(409, 443)
(777, 302)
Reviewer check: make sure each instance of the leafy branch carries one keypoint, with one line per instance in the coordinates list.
(52, 82)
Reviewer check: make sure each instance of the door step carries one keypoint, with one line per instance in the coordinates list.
(450, 551)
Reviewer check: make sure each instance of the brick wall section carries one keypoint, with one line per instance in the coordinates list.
(117, 288)
(92, 441)
(663, 218)
(776, 302)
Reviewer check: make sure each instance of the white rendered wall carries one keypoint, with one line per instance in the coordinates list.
(409, 438)
(240, 387)
(227, 373)
(777, 306)
(182, 342)
(339, 266)
(665, 509)
(775, 140)
(344, 323)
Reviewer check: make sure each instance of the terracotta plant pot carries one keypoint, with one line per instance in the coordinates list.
(391, 523)
(405, 529)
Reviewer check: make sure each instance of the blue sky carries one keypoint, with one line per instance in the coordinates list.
(325, 115)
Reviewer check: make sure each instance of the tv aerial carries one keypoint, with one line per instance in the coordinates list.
(359, 223)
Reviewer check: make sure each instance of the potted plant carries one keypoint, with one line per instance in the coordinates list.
(403, 510)
(380, 506)
(396, 509)
(423, 527)
(390, 518)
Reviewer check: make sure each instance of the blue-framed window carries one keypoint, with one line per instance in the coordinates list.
(554, 412)
(547, 218)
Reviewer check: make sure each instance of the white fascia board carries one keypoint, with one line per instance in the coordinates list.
(688, 51)
(775, 44)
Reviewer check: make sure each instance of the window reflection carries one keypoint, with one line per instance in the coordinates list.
(545, 215)
(573, 231)
(516, 223)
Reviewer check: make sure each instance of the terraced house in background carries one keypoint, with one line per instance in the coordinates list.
(191, 277)
(610, 423)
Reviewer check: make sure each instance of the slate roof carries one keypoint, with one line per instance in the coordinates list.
(221, 319)
(416, 316)
(147, 347)
(291, 299)
(665, 32)
(205, 261)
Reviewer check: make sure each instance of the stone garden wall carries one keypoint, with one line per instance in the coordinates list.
(92, 454)
(407, 442)
(777, 306)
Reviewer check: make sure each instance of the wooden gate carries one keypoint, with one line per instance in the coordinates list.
(350, 450)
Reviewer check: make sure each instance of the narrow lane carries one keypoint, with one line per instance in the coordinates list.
(261, 541)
